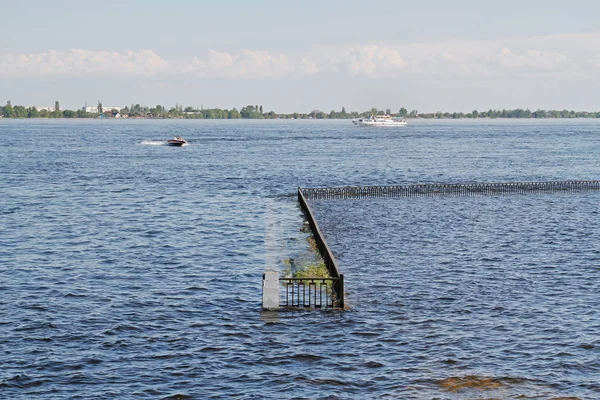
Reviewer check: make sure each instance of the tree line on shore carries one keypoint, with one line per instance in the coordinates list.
(257, 112)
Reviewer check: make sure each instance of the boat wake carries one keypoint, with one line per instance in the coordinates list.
(153, 143)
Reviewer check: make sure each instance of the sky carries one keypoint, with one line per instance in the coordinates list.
(303, 55)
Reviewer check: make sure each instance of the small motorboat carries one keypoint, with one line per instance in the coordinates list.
(177, 141)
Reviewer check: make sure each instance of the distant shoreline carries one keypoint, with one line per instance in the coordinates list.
(297, 119)
(256, 112)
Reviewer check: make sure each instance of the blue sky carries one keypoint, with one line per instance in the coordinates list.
(303, 55)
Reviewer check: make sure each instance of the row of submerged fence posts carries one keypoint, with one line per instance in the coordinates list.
(456, 189)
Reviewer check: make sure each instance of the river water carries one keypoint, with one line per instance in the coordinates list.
(130, 269)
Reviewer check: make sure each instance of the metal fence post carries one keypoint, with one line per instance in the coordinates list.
(340, 290)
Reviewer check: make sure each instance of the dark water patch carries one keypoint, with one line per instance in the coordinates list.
(373, 364)
(22, 381)
(169, 356)
(197, 288)
(74, 295)
(306, 357)
(177, 396)
(34, 326)
(35, 307)
(565, 398)
(212, 349)
(586, 346)
(116, 344)
(8, 211)
(240, 335)
(366, 334)
(39, 339)
(93, 361)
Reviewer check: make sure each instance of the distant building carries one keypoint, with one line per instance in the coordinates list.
(49, 109)
(94, 110)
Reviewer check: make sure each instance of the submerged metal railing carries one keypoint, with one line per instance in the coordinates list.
(326, 253)
(329, 292)
(449, 189)
(309, 292)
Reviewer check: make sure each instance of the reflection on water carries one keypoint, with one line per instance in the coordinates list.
(131, 270)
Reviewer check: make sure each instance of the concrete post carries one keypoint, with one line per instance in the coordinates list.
(270, 300)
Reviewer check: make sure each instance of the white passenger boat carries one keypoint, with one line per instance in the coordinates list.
(380, 120)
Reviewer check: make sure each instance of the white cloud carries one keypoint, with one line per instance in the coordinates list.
(530, 61)
(249, 64)
(443, 63)
(372, 61)
(82, 62)
(559, 56)
(551, 57)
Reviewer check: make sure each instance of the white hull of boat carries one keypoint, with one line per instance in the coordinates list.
(384, 124)
(383, 120)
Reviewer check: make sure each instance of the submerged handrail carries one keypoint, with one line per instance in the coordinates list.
(326, 253)
(419, 190)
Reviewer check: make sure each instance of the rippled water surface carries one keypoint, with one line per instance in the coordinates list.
(129, 269)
